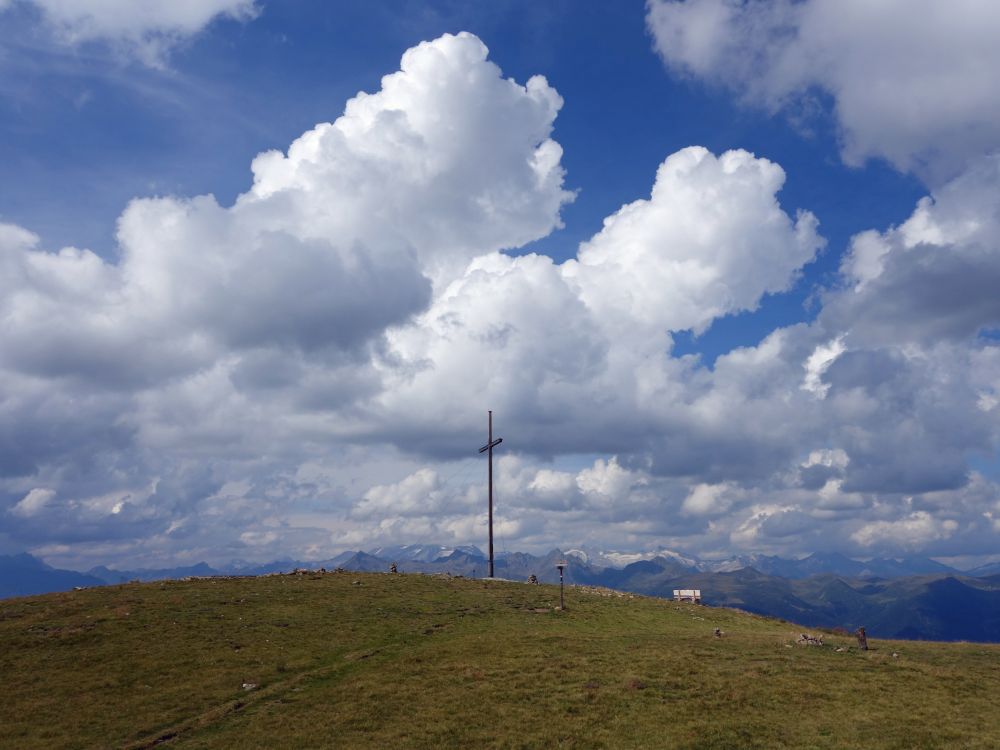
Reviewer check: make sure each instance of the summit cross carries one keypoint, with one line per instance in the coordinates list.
(490, 445)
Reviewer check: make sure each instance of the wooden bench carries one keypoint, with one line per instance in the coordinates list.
(687, 595)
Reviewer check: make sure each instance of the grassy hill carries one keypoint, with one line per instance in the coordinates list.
(375, 660)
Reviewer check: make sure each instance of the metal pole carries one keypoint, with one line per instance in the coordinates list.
(562, 605)
(490, 443)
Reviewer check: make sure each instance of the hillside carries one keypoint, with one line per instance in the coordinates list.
(375, 660)
(944, 606)
(932, 607)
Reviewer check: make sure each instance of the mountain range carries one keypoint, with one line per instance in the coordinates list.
(913, 597)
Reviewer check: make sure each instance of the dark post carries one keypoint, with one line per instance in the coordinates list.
(561, 565)
(490, 445)
(862, 639)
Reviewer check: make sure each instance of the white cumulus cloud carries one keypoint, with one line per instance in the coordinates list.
(911, 80)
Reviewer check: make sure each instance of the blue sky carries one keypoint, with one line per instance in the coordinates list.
(715, 372)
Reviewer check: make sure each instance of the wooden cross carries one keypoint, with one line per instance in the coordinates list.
(490, 445)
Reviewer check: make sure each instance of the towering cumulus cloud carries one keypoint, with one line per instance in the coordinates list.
(536, 338)
(222, 323)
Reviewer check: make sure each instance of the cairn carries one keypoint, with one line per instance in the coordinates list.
(862, 639)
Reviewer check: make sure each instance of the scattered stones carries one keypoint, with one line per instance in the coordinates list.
(601, 591)
(808, 640)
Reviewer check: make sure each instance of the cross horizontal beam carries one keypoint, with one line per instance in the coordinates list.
(494, 444)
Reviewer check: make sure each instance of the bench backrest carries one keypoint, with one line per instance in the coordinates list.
(687, 593)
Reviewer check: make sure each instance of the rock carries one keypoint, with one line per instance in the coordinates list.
(718, 633)
(249, 686)
(355, 583)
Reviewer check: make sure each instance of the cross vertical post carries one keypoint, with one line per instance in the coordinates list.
(562, 604)
(490, 445)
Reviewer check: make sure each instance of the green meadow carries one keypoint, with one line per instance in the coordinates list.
(345, 660)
